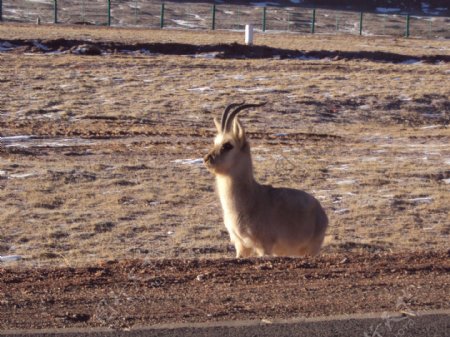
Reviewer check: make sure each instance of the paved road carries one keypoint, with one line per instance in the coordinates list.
(425, 324)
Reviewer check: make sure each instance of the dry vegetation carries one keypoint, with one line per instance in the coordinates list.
(105, 173)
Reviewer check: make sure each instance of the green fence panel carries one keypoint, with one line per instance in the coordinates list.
(152, 14)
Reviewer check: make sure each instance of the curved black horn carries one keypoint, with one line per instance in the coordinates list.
(234, 113)
(226, 112)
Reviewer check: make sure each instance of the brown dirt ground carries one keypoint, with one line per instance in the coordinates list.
(127, 294)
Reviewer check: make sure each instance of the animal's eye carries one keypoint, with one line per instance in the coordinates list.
(227, 147)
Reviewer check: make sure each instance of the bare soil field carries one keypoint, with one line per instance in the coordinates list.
(100, 161)
(133, 293)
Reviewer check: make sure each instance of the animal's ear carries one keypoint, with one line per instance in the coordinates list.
(217, 124)
(238, 131)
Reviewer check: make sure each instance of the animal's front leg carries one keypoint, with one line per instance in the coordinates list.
(242, 252)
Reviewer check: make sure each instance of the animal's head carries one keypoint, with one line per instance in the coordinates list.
(231, 151)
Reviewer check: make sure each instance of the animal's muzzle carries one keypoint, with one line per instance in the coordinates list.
(209, 158)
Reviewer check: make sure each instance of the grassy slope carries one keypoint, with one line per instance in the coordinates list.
(380, 172)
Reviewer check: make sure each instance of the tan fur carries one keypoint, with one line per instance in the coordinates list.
(261, 220)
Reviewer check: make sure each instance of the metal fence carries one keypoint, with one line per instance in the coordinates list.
(155, 14)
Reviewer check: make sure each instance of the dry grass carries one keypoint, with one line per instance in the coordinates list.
(104, 179)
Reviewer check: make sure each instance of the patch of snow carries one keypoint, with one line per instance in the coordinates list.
(41, 46)
(343, 167)
(185, 23)
(426, 9)
(197, 161)
(65, 142)
(147, 52)
(14, 138)
(6, 46)
(346, 182)
(264, 4)
(307, 58)
(446, 181)
(30, 141)
(421, 200)
(405, 98)
(430, 127)
(10, 258)
(342, 211)
(370, 159)
(206, 56)
(22, 175)
(134, 5)
(411, 61)
(256, 89)
(387, 10)
(201, 89)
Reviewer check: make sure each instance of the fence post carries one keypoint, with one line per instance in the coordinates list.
(361, 15)
(213, 12)
(408, 18)
(161, 22)
(264, 19)
(249, 34)
(313, 23)
(109, 12)
(288, 21)
(55, 11)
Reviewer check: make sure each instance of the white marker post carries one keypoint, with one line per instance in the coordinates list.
(249, 34)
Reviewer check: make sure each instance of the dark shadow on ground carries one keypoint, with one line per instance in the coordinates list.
(223, 51)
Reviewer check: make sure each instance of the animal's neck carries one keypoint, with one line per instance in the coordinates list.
(236, 191)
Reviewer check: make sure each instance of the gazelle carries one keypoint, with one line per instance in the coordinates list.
(261, 219)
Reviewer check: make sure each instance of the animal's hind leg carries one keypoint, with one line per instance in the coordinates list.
(303, 251)
(314, 247)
